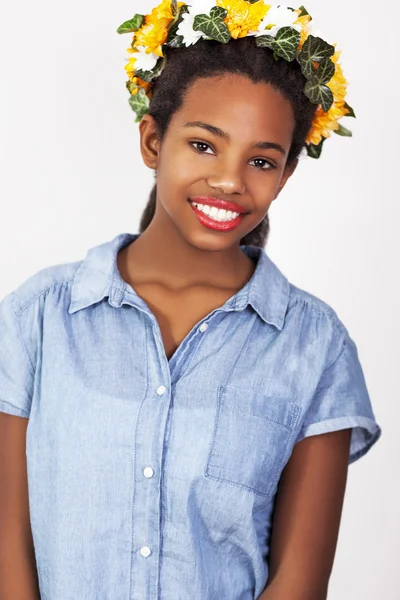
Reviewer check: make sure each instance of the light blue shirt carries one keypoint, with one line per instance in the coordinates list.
(152, 479)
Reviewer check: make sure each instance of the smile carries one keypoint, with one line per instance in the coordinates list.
(218, 219)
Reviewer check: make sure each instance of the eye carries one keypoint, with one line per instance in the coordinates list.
(263, 160)
(193, 144)
(267, 165)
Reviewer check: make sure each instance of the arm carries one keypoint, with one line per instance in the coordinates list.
(18, 575)
(307, 518)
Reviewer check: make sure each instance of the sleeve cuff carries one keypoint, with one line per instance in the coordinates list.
(10, 409)
(365, 433)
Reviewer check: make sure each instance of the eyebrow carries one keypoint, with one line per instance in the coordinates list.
(224, 135)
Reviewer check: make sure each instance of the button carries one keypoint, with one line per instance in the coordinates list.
(145, 551)
(148, 472)
(203, 327)
(161, 390)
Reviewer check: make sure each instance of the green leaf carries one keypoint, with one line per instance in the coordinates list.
(173, 39)
(213, 26)
(325, 71)
(304, 12)
(314, 150)
(285, 44)
(252, 1)
(314, 49)
(319, 94)
(130, 86)
(351, 113)
(176, 42)
(139, 104)
(132, 25)
(343, 131)
(174, 7)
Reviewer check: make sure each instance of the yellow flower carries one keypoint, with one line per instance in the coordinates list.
(242, 16)
(152, 37)
(303, 22)
(324, 123)
(146, 85)
(130, 65)
(154, 32)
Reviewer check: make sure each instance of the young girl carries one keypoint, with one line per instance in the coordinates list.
(188, 414)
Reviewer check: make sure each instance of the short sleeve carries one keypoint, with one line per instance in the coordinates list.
(342, 401)
(16, 370)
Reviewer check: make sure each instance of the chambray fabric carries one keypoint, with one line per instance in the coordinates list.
(152, 479)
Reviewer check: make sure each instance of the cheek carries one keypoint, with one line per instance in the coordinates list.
(177, 167)
(263, 188)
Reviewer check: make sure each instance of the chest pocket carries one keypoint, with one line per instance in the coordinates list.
(252, 438)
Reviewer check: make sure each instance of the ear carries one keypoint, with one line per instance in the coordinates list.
(149, 141)
(288, 172)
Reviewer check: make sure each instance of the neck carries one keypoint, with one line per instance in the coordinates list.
(162, 254)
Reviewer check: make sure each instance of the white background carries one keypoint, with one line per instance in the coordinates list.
(71, 177)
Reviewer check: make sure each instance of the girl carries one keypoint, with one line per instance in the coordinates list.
(177, 418)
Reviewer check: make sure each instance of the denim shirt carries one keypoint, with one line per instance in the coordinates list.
(155, 479)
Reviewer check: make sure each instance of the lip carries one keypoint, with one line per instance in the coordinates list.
(211, 223)
(218, 203)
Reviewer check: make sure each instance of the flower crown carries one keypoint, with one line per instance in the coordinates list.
(286, 31)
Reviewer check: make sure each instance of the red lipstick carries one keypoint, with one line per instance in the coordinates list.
(212, 223)
(218, 203)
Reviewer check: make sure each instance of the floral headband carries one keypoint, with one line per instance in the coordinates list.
(287, 32)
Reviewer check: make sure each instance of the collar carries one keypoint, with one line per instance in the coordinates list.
(98, 277)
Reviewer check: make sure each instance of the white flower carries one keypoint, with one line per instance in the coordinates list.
(201, 7)
(276, 18)
(185, 29)
(312, 30)
(144, 61)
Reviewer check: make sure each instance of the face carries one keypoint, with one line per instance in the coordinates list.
(222, 161)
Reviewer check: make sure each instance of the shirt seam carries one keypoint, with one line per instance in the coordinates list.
(328, 312)
(21, 337)
(343, 349)
(33, 299)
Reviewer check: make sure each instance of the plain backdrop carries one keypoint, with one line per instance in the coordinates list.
(71, 177)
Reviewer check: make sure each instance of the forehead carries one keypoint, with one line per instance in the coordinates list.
(239, 106)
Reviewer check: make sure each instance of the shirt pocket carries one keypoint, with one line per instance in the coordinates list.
(253, 436)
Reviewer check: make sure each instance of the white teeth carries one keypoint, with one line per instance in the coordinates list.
(215, 213)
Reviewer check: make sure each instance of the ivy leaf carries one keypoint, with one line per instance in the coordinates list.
(284, 45)
(173, 39)
(174, 7)
(132, 25)
(213, 25)
(150, 75)
(131, 86)
(343, 131)
(139, 104)
(351, 112)
(314, 150)
(304, 12)
(319, 94)
(314, 49)
(325, 71)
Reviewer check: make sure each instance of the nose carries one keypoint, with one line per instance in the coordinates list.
(228, 180)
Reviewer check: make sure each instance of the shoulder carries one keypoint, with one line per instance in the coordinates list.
(315, 319)
(301, 298)
(39, 283)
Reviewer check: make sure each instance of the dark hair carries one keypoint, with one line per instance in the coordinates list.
(209, 58)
